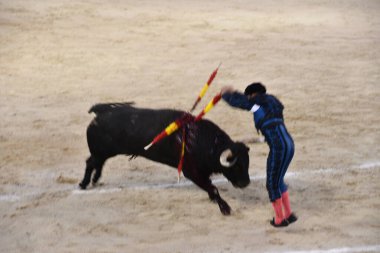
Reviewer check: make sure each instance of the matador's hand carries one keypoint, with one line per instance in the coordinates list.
(227, 89)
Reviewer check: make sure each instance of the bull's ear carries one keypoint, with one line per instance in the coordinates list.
(241, 148)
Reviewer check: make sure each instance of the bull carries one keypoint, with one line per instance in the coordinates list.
(121, 128)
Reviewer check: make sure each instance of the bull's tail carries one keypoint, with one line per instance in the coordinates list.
(103, 108)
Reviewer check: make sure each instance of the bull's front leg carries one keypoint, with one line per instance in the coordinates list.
(213, 193)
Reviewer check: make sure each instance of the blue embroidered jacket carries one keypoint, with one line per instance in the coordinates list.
(266, 109)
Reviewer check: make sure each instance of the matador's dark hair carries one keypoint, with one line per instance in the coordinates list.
(255, 88)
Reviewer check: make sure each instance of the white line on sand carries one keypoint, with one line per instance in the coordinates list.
(365, 166)
(187, 183)
(9, 198)
(368, 248)
(221, 180)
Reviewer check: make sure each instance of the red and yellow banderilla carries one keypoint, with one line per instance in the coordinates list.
(205, 87)
(171, 128)
(208, 107)
(187, 118)
(175, 125)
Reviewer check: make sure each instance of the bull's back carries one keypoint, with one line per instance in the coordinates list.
(127, 130)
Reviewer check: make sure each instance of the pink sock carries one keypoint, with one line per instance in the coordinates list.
(277, 206)
(286, 204)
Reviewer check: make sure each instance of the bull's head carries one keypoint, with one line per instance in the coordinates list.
(235, 163)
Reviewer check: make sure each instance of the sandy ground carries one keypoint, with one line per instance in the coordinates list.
(57, 58)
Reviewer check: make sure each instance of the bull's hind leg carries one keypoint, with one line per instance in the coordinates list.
(92, 163)
(98, 164)
(87, 174)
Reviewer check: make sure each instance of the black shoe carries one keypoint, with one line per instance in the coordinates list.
(292, 218)
(284, 223)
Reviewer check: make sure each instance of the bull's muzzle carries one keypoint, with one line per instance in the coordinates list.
(241, 184)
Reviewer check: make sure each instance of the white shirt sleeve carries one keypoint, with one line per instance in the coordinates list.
(254, 108)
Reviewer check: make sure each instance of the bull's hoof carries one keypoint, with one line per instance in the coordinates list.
(224, 207)
(82, 186)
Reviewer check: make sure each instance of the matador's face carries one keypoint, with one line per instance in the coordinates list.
(252, 95)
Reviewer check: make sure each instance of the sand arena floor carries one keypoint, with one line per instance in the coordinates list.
(57, 58)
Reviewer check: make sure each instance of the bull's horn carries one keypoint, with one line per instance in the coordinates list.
(224, 156)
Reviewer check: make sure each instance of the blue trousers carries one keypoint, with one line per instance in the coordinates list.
(281, 152)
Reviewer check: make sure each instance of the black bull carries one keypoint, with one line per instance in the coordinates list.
(124, 129)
